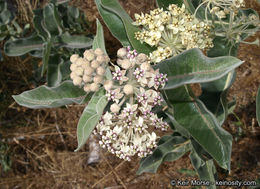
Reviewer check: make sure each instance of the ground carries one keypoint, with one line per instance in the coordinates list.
(42, 142)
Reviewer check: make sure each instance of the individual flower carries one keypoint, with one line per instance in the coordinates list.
(172, 32)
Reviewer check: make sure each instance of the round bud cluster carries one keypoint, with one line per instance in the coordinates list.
(89, 71)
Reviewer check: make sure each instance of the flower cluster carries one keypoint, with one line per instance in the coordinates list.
(89, 71)
(134, 92)
(172, 32)
(229, 20)
(221, 8)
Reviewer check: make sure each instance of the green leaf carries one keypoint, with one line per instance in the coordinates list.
(114, 23)
(90, 116)
(193, 67)
(51, 97)
(65, 69)
(258, 106)
(171, 149)
(20, 47)
(203, 127)
(99, 41)
(5, 17)
(38, 23)
(73, 12)
(52, 20)
(114, 7)
(54, 75)
(165, 3)
(222, 48)
(205, 169)
(46, 56)
(214, 95)
(74, 41)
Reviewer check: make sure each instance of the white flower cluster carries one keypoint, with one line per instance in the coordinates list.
(89, 71)
(230, 22)
(222, 7)
(172, 32)
(134, 91)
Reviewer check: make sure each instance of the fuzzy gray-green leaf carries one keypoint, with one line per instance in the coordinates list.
(20, 47)
(74, 41)
(115, 8)
(193, 67)
(114, 23)
(90, 116)
(170, 149)
(51, 97)
(203, 126)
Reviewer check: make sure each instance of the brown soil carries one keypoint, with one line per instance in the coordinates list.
(42, 142)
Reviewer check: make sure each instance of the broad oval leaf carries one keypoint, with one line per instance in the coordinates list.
(114, 7)
(90, 116)
(38, 23)
(204, 128)
(193, 67)
(205, 169)
(258, 106)
(20, 47)
(214, 95)
(73, 41)
(114, 23)
(51, 97)
(171, 149)
(52, 20)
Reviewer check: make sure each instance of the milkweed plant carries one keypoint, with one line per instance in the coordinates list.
(147, 89)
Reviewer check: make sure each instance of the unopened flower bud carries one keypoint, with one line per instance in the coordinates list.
(108, 84)
(145, 66)
(94, 87)
(98, 79)
(128, 89)
(80, 61)
(89, 55)
(115, 108)
(121, 52)
(87, 88)
(73, 75)
(101, 59)
(87, 78)
(73, 67)
(88, 71)
(107, 59)
(141, 58)
(100, 70)
(95, 64)
(126, 64)
(85, 65)
(77, 80)
(74, 57)
(119, 61)
(99, 51)
(79, 71)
